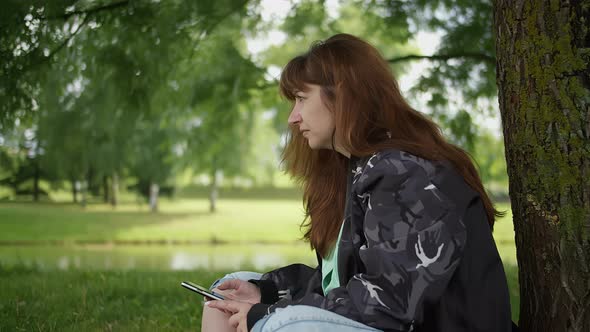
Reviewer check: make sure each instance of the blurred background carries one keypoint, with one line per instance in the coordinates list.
(140, 143)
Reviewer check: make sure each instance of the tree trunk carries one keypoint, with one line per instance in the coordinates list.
(89, 181)
(83, 189)
(115, 189)
(105, 189)
(213, 192)
(543, 78)
(74, 190)
(154, 190)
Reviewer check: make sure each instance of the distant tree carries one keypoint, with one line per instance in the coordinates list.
(218, 87)
(87, 75)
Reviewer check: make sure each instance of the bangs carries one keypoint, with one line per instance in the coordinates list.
(294, 77)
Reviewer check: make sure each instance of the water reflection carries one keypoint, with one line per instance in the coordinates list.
(184, 261)
(214, 258)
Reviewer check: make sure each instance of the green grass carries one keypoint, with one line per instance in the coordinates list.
(237, 220)
(113, 300)
(100, 301)
(74, 300)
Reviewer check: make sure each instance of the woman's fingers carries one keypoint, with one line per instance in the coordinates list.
(242, 328)
(227, 294)
(229, 284)
(234, 321)
(223, 305)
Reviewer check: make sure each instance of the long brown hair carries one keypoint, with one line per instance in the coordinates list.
(370, 115)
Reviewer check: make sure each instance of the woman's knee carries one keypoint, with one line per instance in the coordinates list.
(215, 320)
(307, 318)
(290, 318)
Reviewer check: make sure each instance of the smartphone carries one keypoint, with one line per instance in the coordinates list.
(201, 290)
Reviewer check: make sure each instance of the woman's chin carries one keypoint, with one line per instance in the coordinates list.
(315, 144)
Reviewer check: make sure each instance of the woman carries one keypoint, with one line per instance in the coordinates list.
(398, 216)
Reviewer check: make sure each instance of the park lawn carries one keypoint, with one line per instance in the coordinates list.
(237, 220)
(114, 300)
(77, 300)
(100, 301)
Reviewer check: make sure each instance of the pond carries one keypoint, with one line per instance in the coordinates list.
(258, 257)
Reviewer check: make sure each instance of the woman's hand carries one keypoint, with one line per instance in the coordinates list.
(238, 310)
(240, 290)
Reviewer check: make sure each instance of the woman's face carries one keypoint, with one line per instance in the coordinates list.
(313, 118)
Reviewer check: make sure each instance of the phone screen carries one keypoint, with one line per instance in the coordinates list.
(201, 290)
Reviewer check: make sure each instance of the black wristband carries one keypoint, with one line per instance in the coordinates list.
(257, 311)
(269, 293)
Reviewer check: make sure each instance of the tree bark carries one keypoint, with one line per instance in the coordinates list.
(83, 189)
(90, 181)
(105, 189)
(74, 190)
(115, 190)
(543, 76)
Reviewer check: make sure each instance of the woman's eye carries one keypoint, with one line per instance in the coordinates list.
(299, 98)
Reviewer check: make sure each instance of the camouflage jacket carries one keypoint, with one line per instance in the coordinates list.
(416, 254)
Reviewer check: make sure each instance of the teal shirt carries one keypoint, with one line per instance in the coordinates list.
(330, 278)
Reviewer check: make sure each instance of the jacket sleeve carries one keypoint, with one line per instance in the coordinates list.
(414, 238)
(288, 282)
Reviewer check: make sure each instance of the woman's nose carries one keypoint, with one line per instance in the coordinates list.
(295, 116)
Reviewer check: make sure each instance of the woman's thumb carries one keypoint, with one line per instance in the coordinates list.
(229, 284)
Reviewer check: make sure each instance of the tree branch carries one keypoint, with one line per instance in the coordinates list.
(60, 46)
(212, 25)
(445, 57)
(68, 38)
(89, 11)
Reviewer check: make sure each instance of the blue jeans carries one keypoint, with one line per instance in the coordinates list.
(298, 317)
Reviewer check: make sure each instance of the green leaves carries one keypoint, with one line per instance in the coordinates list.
(156, 87)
